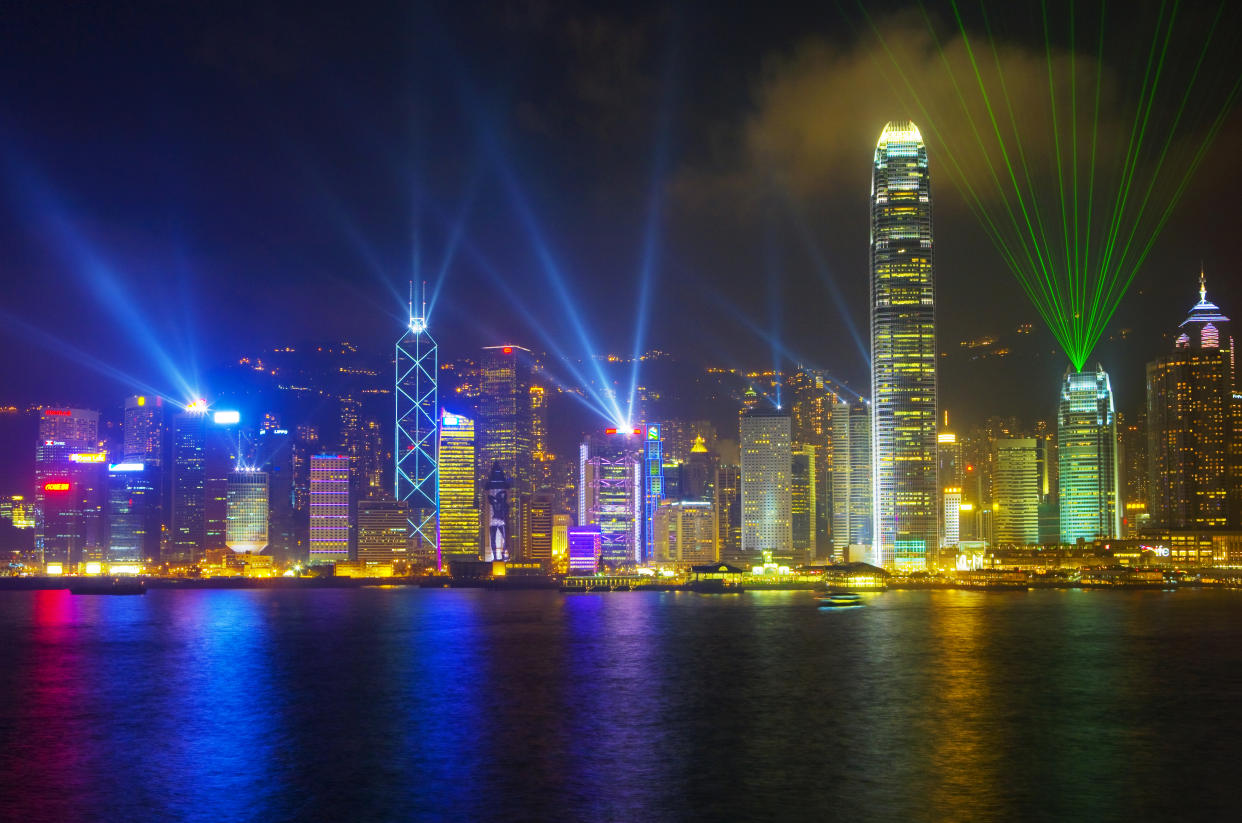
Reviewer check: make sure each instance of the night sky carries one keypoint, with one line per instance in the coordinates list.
(183, 183)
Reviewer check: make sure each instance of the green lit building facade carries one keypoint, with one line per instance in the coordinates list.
(1089, 479)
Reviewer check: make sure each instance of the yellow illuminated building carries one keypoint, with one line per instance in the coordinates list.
(459, 511)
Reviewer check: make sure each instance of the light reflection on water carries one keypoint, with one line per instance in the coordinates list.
(468, 704)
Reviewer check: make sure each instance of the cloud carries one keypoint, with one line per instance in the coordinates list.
(817, 110)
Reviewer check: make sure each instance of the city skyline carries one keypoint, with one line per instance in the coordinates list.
(342, 260)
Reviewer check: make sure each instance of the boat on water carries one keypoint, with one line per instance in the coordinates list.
(108, 585)
(840, 600)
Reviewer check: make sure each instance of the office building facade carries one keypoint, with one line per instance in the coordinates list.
(903, 353)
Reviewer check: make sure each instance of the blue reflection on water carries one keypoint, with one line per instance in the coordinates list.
(380, 704)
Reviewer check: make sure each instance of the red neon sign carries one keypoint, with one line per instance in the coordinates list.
(507, 350)
(56, 486)
(610, 431)
(57, 413)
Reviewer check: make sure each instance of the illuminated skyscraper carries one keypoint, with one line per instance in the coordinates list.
(767, 458)
(729, 508)
(1016, 491)
(133, 511)
(418, 417)
(811, 399)
(68, 484)
(903, 352)
(329, 508)
(653, 485)
(246, 526)
(143, 430)
(1087, 457)
(459, 496)
(1191, 420)
(222, 448)
(802, 478)
(189, 482)
(610, 493)
(538, 510)
(506, 424)
(950, 477)
(276, 456)
(540, 454)
(851, 479)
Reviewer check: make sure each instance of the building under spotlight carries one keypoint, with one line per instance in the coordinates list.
(903, 353)
(416, 481)
(1087, 457)
(610, 493)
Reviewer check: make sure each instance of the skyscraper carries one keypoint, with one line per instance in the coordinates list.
(459, 499)
(329, 508)
(1191, 424)
(1016, 491)
(68, 484)
(417, 398)
(803, 474)
(133, 511)
(505, 422)
(610, 493)
(187, 523)
(766, 446)
(142, 430)
(538, 510)
(1087, 457)
(903, 352)
(246, 525)
(811, 402)
(851, 479)
(729, 508)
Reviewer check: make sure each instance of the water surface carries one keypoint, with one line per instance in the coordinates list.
(400, 703)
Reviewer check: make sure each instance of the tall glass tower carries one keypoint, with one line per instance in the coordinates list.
(418, 415)
(903, 353)
(1087, 457)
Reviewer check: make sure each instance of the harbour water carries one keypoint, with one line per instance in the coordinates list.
(401, 703)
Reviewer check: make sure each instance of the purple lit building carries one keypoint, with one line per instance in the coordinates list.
(585, 549)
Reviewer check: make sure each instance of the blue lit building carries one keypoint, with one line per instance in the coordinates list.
(417, 425)
(133, 511)
(610, 493)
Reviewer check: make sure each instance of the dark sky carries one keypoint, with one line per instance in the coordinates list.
(187, 182)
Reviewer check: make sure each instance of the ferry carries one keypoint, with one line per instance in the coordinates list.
(840, 600)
